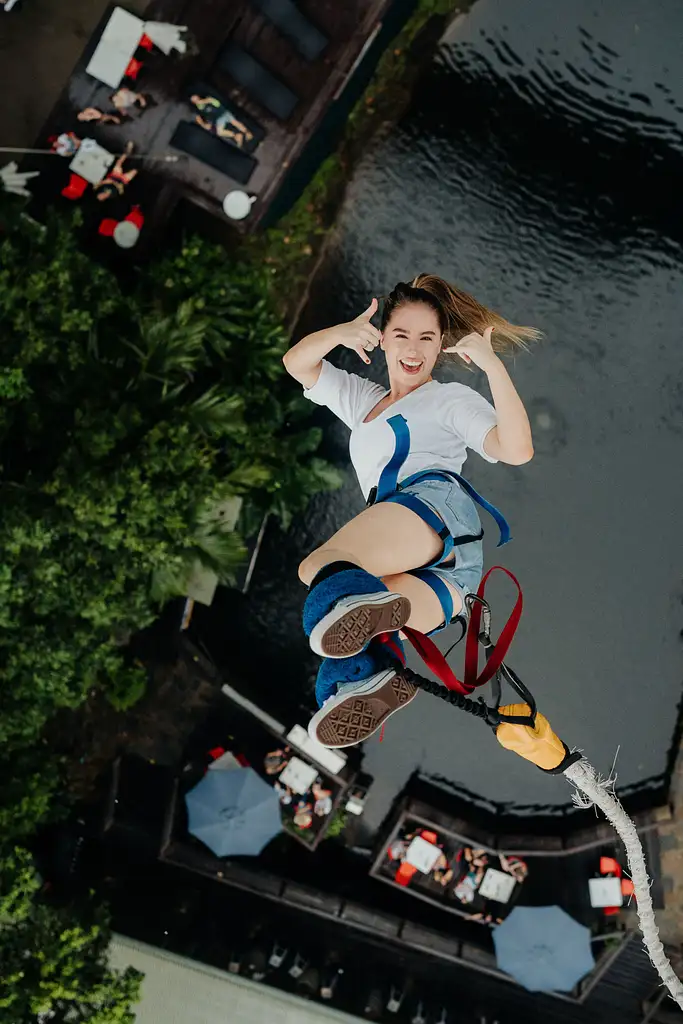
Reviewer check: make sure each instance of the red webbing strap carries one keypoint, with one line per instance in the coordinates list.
(472, 679)
(435, 661)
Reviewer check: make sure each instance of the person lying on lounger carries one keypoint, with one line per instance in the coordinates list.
(220, 121)
(116, 178)
(93, 114)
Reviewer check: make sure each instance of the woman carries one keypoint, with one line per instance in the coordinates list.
(414, 554)
(94, 114)
(219, 120)
(116, 178)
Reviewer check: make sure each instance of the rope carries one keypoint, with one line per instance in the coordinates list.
(599, 792)
(50, 152)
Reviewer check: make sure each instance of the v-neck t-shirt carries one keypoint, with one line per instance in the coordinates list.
(444, 420)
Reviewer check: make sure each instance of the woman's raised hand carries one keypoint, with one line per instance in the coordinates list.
(359, 334)
(476, 348)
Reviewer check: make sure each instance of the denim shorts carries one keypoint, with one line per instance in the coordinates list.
(459, 513)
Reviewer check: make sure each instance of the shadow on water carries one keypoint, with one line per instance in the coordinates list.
(539, 167)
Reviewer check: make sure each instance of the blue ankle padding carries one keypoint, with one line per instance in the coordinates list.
(335, 671)
(325, 595)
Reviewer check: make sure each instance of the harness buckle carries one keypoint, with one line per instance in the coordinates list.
(372, 497)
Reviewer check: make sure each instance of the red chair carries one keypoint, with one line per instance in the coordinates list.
(107, 227)
(146, 43)
(610, 866)
(136, 217)
(627, 888)
(75, 188)
(405, 873)
(133, 69)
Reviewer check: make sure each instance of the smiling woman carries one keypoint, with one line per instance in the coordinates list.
(414, 554)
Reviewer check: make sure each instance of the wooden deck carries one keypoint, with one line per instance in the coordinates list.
(211, 23)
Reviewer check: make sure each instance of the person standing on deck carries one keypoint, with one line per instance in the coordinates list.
(411, 557)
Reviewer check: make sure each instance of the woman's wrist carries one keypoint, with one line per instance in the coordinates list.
(495, 366)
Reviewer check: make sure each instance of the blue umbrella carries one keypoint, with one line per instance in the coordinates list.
(544, 949)
(234, 813)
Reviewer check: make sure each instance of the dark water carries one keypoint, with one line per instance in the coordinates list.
(541, 167)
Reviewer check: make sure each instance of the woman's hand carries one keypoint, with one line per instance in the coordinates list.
(476, 348)
(359, 334)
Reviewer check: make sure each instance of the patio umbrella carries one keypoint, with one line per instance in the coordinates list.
(234, 813)
(543, 948)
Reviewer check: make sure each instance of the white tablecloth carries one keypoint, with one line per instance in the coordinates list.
(117, 45)
(497, 885)
(605, 892)
(92, 161)
(422, 855)
(298, 775)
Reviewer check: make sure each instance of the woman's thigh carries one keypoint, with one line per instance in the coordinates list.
(385, 539)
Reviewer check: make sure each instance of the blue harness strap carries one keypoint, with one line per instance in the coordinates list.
(441, 591)
(388, 481)
(389, 489)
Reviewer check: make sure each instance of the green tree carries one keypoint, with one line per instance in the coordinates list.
(126, 418)
(54, 966)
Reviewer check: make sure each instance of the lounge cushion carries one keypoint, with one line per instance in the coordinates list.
(211, 150)
(295, 26)
(257, 81)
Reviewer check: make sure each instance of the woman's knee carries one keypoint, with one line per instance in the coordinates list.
(307, 568)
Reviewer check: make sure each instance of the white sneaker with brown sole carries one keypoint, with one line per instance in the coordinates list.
(359, 709)
(351, 624)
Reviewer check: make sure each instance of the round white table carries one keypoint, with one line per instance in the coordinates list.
(237, 204)
(126, 234)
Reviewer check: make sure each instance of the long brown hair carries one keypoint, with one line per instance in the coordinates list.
(459, 314)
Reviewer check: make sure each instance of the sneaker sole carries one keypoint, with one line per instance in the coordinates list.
(351, 624)
(351, 718)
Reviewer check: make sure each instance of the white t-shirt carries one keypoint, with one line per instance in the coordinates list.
(444, 421)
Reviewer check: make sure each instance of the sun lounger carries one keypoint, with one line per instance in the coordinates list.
(294, 25)
(257, 81)
(211, 150)
(215, 114)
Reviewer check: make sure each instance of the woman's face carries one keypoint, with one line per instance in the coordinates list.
(411, 343)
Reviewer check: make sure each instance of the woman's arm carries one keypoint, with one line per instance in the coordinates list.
(510, 440)
(304, 360)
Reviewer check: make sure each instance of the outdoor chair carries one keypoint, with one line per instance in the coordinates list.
(203, 90)
(405, 873)
(75, 188)
(193, 140)
(295, 26)
(107, 227)
(257, 81)
(134, 68)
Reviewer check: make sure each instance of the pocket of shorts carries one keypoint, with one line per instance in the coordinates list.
(463, 510)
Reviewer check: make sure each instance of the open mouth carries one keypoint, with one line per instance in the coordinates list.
(410, 366)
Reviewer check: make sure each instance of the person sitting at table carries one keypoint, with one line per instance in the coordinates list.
(283, 792)
(442, 872)
(275, 761)
(515, 867)
(467, 885)
(116, 178)
(322, 798)
(67, 144)
(302, 815)
(126, 101)
(93, 114)
(220, 121)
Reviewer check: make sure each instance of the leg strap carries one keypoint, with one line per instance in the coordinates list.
(444, 595)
